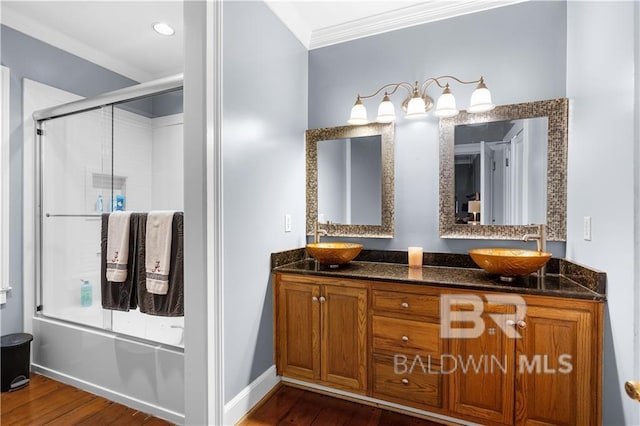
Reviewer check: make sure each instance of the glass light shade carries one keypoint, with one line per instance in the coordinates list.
(446, 106)
(474, 206)
(386, 111)
(163, 28)
(358, 113)
(481, 99)
(416, 107)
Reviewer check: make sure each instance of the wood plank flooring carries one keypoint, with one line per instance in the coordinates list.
(48, 402)
(294, 406)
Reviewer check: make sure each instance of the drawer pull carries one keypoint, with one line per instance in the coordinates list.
(404, 381)
(405, 338)
(405, 305)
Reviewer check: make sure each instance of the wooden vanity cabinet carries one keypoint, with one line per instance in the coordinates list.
(406, 347)
(562, 344)
(384, 340)
(551, 375)
(480, 371)
(321, 331)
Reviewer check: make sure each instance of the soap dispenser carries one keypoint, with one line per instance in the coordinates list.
(86, 293)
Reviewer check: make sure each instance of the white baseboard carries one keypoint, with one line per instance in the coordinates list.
(244, 401)
(136, 404)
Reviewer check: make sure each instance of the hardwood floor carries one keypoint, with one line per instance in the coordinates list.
(293, 406)
(48, 402)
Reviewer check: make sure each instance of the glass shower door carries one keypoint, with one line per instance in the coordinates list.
(76, 187)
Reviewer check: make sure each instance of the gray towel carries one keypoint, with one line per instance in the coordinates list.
(172, 303)
(118, 296)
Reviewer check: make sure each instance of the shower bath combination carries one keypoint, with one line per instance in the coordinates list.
(121, 151)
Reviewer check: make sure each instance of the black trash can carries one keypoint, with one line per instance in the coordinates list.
(16, 356)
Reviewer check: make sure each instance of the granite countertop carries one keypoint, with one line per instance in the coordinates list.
(577, 281)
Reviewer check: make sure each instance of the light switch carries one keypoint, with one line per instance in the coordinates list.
(287, 222)
(587, 228)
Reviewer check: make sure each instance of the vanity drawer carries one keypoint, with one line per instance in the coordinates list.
(399, 383)
(409, 304)
(406, 336)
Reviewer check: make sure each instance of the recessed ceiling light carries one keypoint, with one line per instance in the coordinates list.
(163, 28)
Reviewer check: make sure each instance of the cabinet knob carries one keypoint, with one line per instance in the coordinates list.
(314, 299)
(404, 381)
(510, 323)
(405, 338)
(633, 390)
(405, 305)
(522, 324)
(322, 299)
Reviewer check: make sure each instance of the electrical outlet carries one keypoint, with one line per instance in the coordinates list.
(287, 222)
(587, 228)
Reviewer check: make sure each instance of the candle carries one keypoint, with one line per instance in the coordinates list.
(415, 257)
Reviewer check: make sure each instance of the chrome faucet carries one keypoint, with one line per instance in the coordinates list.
(317, 232)
(541, 243)
(540, 237)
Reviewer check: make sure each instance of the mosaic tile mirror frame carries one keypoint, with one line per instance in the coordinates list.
(557, 111)
(385, 227)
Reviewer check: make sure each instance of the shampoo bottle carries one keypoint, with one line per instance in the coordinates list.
(86, 293)
(99, 204)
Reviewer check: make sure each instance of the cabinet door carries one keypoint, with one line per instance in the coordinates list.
(481, 372)
(344, 337)
(298, 330)
(555, 383)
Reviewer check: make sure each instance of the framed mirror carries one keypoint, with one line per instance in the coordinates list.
(504, 170)
(350, 179)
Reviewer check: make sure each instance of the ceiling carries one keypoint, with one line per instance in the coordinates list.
(117, 34)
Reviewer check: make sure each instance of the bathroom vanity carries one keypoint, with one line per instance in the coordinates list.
(445, 338)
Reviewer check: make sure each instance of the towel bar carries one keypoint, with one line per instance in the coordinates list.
(73, 215)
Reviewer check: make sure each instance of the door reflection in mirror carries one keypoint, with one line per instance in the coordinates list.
(349, 180)
(502, 164)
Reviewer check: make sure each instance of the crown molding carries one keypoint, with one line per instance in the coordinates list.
(46, 34)
(434, 10)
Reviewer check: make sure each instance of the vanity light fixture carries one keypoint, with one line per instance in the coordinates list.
(164, 28)
(418, 103)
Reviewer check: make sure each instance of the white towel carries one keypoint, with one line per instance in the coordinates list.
(158, 251)
(118, 246)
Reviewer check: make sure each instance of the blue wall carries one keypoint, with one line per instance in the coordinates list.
(29, 58)
(604, 165)
(265, 116)
(521, 52)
